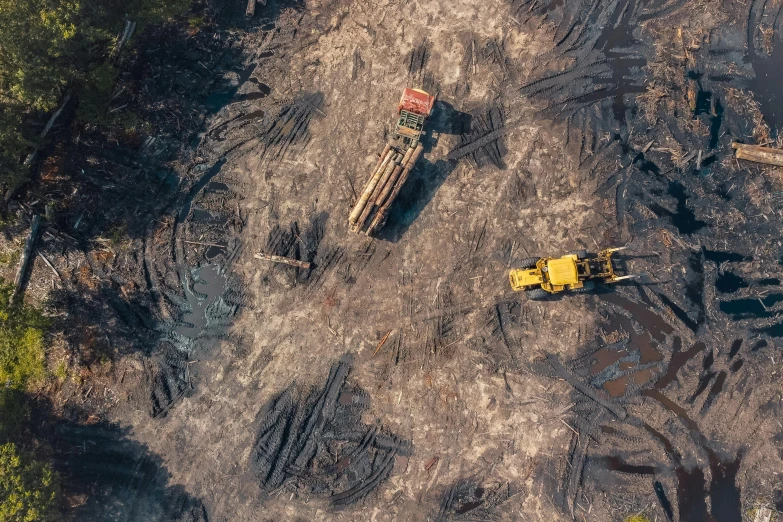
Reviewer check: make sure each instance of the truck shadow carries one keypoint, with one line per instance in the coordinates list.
(414, 197)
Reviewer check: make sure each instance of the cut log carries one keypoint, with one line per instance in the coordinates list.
(28, 249)
(383, 212)
(130, 27)
(368, 189)
(251, 8)
(284, 260)
(758, 154)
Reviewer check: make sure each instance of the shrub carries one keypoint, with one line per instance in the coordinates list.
(22, 357)
(28, 489)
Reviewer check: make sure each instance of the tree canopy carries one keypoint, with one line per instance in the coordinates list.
(48, 45)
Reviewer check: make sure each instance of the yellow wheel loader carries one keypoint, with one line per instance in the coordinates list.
(576, 271)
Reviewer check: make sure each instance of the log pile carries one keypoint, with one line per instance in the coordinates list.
(392, 170)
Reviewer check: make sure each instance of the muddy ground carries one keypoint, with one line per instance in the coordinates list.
(400, 378)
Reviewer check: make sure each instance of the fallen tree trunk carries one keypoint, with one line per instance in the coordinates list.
(759, 154)
(28, 249)
(251, 8)
(31, 157)
(284, 260)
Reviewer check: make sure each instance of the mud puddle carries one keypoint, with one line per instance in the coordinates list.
(651, 321)
(209, 285)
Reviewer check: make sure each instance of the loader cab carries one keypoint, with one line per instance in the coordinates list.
(414, 109)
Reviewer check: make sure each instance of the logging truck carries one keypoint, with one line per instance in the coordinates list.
(394, 165)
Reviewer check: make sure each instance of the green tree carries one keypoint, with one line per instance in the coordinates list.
(22, 327)
(28, 489)
(36, 38)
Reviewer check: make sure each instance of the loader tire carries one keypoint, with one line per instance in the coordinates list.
(589, 286)
(581, 254)
(528, 263)
(536, 294)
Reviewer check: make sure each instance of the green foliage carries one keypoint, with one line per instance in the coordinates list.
(637, 518)
(46, 45)
(36, 36)
(22, 358)
(28, 489)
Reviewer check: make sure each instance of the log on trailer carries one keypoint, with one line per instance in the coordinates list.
(383, 211)
(759, 154)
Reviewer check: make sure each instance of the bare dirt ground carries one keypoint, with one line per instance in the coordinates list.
(400, 378)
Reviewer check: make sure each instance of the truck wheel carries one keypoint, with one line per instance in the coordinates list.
(528, 263)
(589, 286)
(536, 294)
(581, 254)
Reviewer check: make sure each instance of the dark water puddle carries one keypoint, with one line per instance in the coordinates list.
(614, 41)
(214, 251)
(772, 281)
(735, 348)
(267, 27)
(673, 407)
(252, 115)
(618, 464)
(683, 219)
(617, 387)
(691, 494)
(208, 287)
(266, 54)
(717, 387)
(216, 186)
(719, 257)
(729, 282)
(694, 289)
(767, 82)
(715, 123)
(759, 345)
(737, 365)
(677, 361)
(643, 315)
(468, 506)
(208, 218)
(752, 308)
(707, 104)
(724, 494)
(664, 500)
(776, 330)
(606, 358)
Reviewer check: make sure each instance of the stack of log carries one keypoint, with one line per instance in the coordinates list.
(389, 175)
